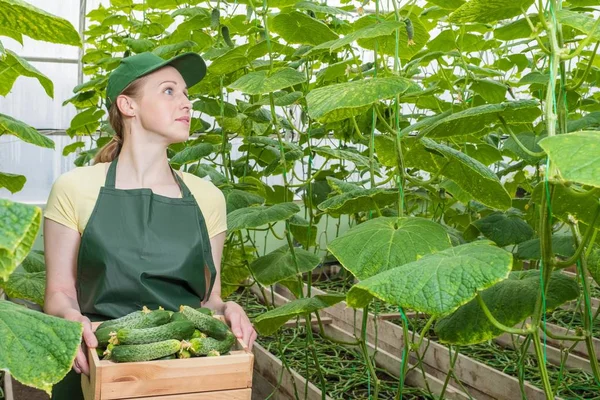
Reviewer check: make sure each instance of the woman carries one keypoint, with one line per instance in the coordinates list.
(128, 231)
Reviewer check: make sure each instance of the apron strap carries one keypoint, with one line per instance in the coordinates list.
(111, 178)
(185, 191)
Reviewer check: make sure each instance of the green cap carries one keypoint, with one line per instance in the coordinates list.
(190, 65)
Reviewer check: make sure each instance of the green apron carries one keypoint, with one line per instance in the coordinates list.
(139, 249)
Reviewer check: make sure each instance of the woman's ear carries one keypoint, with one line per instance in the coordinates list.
(126, 105)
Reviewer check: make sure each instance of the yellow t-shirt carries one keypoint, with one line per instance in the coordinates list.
(74, 194)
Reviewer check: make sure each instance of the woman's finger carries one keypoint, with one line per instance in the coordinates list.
(88, 335)
(253, 337)
(83, 363)
(248, 330)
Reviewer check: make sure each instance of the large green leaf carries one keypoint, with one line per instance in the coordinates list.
(576, 156)
(580, 21)
(279, 264)
(49, 343)
(375, 38)
(12, 66)
(253, 217)
(569, 202)
(12, 182)
(516, 30)
(437, 283)
(192, 153)
(26, 285)
(303, 232)
(21, 17)
(34, 262)
(504, 228)
(269, 322)
(297, 27)
(562, 245)
(384, 243)
(510, 302)
(483, 11)
(236, 199)
(359, 200)
(86, 122)
(261, 82)
(11, 126)
(469, 174)
(347, 155)
(344, 100)
(372, 30)
(19, 224)
(477, 119)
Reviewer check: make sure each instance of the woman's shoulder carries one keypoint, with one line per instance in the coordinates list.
(201, 188)
(83, 176)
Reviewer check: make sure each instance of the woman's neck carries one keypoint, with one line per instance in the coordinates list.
(144, 165)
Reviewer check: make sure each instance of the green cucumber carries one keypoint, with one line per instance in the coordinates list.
(203, 346)
(103, 335)
(205, 310)
(177, 316)
(138, 319)
(215, 18)
(180, 330)
(206, 324)
(145, 352)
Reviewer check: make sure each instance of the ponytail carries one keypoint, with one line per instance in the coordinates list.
(111, 150)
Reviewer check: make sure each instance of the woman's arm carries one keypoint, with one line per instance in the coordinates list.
(61, 246)
(233, 312)
(215, 302)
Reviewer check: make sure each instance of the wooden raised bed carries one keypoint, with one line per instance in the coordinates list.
(384, 359)
(228, 377)
(481, 381)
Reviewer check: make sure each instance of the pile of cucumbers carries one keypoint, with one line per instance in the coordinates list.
(160, 334)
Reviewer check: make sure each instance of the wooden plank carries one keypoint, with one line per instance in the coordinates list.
(553, 354)
(313, 321)
(572, 305)
(262, 388)
(393, 364)
(478, 376)
(131, 380)
(8, 389)
(270, 367)
(237, 394)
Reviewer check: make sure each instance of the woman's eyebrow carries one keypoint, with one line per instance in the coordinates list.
(175, 83)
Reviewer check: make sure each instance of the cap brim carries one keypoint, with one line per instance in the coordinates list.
(191, 66)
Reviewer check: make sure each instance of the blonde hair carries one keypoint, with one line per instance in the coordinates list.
(111, 150)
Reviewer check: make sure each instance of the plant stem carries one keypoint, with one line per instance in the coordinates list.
(539, 352)
(365, 352)
(497, 323)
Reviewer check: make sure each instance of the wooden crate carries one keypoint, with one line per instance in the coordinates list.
(228, 377)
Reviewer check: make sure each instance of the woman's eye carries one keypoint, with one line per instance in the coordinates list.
(169, 91)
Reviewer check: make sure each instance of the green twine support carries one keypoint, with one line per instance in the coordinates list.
(404, 355)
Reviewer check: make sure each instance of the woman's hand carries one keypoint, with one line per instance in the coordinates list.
(81, 363)
(240, 323)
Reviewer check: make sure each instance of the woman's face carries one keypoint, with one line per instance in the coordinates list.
(164, 107)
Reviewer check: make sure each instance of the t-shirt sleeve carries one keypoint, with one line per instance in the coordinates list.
(216, 214)
(61, 202)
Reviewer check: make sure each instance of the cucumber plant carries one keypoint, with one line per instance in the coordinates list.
(450, 145)
(50, 358)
